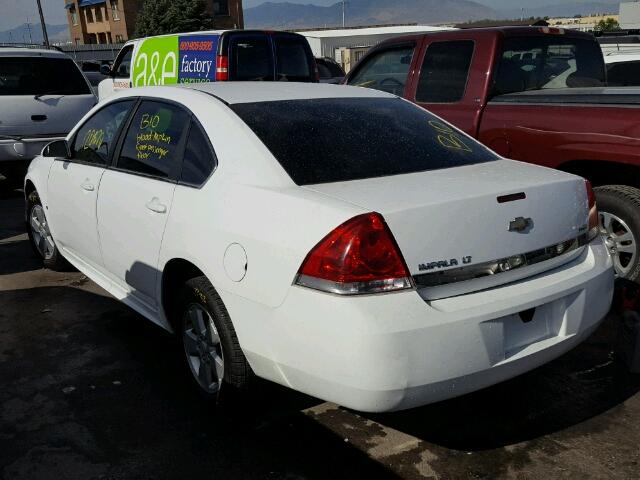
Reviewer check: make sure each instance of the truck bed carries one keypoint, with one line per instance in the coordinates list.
(627, 96)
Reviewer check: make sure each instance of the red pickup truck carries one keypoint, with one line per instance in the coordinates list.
(533, 94)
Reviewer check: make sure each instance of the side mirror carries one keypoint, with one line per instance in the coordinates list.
(58, 149)
(105, 69)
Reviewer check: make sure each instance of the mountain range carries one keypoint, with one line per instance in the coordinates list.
(370, 12)
(32, 33)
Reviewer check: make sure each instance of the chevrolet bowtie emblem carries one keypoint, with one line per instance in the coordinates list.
(520, 224)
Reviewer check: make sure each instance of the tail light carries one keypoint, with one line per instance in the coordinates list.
(222, 68)
(594, 217)
(358, 257)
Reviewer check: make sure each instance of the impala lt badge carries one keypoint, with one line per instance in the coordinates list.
(445, 263)
(520, 224)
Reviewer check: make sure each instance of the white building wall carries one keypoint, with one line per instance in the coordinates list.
(630, 15)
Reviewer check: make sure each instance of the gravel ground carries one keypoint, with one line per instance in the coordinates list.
(89, 389)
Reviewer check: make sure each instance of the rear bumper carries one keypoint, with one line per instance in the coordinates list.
(397, 351)
(25, 149)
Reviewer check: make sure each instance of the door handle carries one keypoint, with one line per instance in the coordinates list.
(87, 186)
(155, 206)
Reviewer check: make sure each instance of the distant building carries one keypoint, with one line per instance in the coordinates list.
(348, 45)
(630, 16)
(114, 21)
(586, 23)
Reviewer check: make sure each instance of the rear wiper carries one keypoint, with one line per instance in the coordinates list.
(54, 92)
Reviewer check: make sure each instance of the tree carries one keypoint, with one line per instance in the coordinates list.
(159, 17)
(607, 25)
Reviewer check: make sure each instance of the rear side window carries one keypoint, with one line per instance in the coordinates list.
(342, 139)
(251, 58)
(541, 62)
(96, 139)
(293, 59)
(386, 70)
(41, 75)
(623, 74)
(445, 70)
(154, 142)
(199, 160)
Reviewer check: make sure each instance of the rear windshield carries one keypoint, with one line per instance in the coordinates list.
(37, 75)
(336, 140)
(541, 62)
(292, 59)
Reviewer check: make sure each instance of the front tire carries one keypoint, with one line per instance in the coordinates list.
(619, 208)
(40, 236)
(209, 344)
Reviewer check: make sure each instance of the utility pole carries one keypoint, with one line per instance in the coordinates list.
(29, 28)
(45, 37)
(344, 4)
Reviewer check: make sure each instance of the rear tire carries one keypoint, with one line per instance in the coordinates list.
(213, 342)
(619, 208)
(40, 237)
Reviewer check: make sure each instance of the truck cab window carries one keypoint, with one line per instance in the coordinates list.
(544, 62)
(386, 70)
(443, 78)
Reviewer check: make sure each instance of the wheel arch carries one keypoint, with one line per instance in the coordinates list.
(604, 172)
(175, 273)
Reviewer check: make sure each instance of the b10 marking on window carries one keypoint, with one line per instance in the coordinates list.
(150, 142)
(448, 138)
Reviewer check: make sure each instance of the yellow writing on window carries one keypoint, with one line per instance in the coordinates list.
(447, 137)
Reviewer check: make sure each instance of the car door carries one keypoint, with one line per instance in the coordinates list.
(73, 183)
(443, 84)
(136, 194)
(387, 69)
(120, 78)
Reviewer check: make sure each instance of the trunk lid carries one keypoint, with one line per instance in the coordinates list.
(451, 218)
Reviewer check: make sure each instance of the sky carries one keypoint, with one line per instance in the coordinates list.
(17, 12)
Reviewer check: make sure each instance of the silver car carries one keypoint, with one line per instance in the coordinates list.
(43, 94)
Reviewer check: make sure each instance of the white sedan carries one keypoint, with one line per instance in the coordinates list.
(339, 241)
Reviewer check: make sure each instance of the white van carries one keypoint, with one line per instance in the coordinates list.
(211, 56)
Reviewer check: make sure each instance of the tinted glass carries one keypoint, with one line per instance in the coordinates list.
(328, 69)
(96, 139)
(251, 58)
(122, 66)
(535, 63)
(153, 140)
(199, 160)
(445, 69)
(386, 71)
(623, 74)
(334, 140)
(323, 70)
(35, 75)
(293, 61)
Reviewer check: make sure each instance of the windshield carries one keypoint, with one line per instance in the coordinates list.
(342, 139)
(541, 62)
(40, 75)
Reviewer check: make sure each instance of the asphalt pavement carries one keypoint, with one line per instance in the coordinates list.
(89, 389)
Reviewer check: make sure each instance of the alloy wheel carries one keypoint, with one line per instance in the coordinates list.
(41, 235)
(620, 241)
(203, 348)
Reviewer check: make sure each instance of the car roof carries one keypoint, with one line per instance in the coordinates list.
(30, 52)
(255, 92)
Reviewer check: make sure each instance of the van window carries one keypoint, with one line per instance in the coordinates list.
(541, 62)
(30, 75)
(443, 78)
(343, 139)
(122, 65)
(153, 141)
(95, 140)
(386, 70)
(251, 58)
(292, 59)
